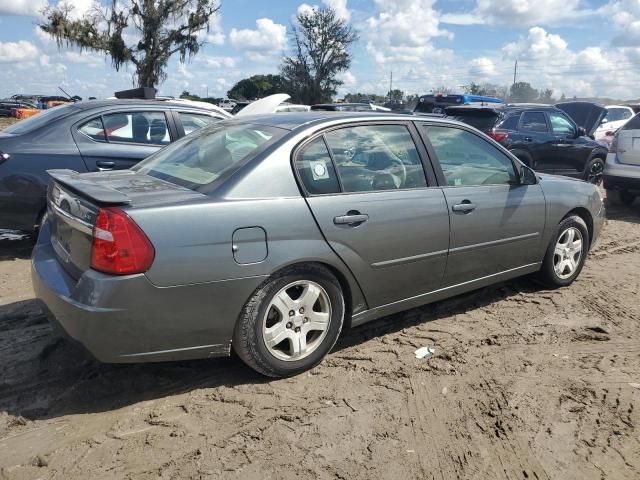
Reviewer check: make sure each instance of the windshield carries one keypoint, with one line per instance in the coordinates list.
(199, 160)
(40, 119)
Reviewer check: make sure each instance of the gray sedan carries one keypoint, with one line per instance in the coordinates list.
(270, 234)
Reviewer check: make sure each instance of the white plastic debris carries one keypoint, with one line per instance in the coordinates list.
(424, 352)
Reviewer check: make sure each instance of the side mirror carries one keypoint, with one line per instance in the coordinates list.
(581, 132)
(527, 176)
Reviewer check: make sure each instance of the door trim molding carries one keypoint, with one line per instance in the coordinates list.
(500, 241)
(405, 260)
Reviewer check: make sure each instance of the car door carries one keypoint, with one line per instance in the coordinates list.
(496, 222)
(569, 152)
(367, 189)
(536, 138)
(119, 139)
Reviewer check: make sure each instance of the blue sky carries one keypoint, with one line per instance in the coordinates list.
(575, 47)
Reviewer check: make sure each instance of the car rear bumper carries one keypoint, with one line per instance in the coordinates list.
(129, 320)
(621, 176)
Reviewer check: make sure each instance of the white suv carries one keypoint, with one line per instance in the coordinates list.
(617, 116)
(622, 170)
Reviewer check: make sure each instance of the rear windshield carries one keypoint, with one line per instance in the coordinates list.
(38, 120)
(199, 160)
(633, 124)
(483, 120)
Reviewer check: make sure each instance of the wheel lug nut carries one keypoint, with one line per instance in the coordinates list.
(291, 313)
(289, 324)
(305, 320)
(298, 329)
(302, 310)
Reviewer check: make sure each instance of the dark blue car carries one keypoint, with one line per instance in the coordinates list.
(85, 137)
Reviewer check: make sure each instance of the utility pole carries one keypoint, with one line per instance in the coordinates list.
(390, 84)
(515, 71)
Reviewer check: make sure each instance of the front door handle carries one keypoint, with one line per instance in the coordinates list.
(464, 207)
(352, 219)
(102, 165)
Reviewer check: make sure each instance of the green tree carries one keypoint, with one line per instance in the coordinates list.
(257, 86)
(546, 96)
(320, 44)
(162, 28)
(523, 92)
(396, 95)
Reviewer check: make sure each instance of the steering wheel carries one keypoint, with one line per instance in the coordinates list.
(398, 171)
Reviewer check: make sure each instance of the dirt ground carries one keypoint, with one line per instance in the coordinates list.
(525, 383)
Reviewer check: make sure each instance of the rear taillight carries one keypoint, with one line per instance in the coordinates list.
(497, 135)
(119, 247)
(613, 147)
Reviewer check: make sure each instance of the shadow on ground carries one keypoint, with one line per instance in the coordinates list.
(47, 377)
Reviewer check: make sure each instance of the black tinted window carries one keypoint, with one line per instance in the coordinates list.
(316, 169)
(483, 120)
(633, 124)
(534, 122)
(509, 123)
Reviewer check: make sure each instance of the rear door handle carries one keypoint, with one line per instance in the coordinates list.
(464, 207)
(102, 165)
(351, 218)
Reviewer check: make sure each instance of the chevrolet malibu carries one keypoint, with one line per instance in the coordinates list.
(270, 234)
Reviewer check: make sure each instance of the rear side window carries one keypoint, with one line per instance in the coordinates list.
(509, 123)
(483, 120)
(316, 170)
(468, 160)
(376, 157)
(137, 127)
(199, 160)
(633, 124)
(32, 123)
(194, 121)
(94, 129)
(534, 122)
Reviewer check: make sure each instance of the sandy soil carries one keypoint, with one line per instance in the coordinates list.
(525, 383)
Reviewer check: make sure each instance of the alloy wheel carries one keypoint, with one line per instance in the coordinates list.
(296, 320)
(596, 173)
(567, 253)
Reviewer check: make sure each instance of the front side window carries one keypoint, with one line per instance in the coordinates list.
(561, 124)
(199, 160)
(466, 159)
(534, 122)
(376, 157)
(316, 170)
(194, 121)
(137, 127)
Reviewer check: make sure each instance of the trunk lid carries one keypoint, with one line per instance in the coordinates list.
(586, 114)
(73, 202)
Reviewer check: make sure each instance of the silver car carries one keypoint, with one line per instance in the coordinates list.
(622, 170)
(271, 234)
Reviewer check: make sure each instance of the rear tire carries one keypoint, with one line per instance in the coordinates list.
(566, 253)
(594, 171)
(291, 321)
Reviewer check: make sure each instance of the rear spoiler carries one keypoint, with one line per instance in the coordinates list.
(94, 191)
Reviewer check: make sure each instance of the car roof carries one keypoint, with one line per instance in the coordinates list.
(91, 104)
(296, 120)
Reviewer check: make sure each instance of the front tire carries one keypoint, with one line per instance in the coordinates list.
(566, 253)
(291, 321)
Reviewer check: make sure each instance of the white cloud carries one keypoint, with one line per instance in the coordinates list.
(626, 17)
(21, 7)
(215, 35)
(218, 62)
(21, 51)
(306, 9)
(183, 71)
(90, 59)
(518, 12)
(402, 31)
(482, 68)
(340, 7)
(268, 36)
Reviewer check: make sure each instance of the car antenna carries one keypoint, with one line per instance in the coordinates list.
(70, 97)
